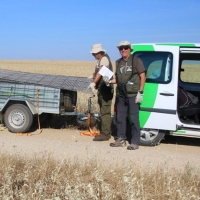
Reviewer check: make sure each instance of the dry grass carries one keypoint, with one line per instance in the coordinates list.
(191, 73)
(68, 68)
(45, 178)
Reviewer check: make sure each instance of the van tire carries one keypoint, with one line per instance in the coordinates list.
(148, 137)
(151, 137)
(18, 118)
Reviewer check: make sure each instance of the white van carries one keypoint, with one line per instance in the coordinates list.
(168, 67)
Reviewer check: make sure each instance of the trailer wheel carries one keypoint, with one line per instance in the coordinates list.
(18, 118)
(151, 137)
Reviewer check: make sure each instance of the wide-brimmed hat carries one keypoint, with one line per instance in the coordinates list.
(124, 43)
(96, 48)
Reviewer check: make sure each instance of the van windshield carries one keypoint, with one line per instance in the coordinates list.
(158, 66)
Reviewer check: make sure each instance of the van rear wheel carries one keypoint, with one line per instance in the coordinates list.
(151, 137)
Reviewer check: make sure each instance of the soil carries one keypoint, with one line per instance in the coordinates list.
(173, 152)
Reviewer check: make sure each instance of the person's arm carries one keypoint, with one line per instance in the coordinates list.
(142, 80)
(139, 97)
(97, 77)
(114, 81)
(141, 71)
(104, 62)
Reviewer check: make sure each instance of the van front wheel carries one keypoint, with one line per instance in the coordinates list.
(151, 137)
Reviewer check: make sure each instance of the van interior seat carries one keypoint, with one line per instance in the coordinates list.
(190, 110)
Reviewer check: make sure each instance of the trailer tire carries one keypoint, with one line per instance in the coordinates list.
(18, 118)
(151, 137)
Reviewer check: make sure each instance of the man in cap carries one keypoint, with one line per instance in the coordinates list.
(104, 91)
(130, 79)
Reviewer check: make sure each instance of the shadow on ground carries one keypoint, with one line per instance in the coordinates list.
(53, 121)
(62, 122)
(181, 140)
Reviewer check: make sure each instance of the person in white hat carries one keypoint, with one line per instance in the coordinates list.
(104, 91)
(130, 79)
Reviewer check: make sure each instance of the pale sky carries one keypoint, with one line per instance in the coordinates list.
(66, 30)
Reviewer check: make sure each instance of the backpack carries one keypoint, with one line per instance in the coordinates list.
(185, 98)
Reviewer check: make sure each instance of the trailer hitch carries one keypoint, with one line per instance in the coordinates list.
(86, 119)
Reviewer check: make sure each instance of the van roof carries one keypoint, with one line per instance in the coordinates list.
(150, 46)
(171, 44)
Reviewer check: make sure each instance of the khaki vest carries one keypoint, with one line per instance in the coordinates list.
(126, 73)
(101, 82)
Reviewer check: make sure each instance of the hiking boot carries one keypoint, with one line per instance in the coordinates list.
(101, 138)
(133, 147)
(118, 143)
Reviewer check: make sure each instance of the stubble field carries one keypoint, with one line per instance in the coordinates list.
(68, 68)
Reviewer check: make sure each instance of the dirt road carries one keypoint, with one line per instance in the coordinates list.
(68, 144)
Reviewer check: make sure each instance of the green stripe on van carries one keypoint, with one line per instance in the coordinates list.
(142, 47)
(179, 131)
(180, 45)
(150, 93)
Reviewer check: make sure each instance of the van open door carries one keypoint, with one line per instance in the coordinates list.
(159, 108)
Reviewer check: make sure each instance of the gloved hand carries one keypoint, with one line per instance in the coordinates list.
(139, 97)
(92, 87)
(106, 80)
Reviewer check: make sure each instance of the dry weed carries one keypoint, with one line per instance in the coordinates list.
(45, 178)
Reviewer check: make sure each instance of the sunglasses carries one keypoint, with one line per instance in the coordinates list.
(94, 54)
(124, 47)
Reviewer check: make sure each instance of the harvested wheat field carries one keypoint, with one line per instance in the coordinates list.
(62, 164)
(69, 68)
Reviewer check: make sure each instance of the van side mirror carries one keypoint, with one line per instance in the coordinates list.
(182, 70)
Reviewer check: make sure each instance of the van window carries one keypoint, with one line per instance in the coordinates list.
(158, 66)
(190, 71)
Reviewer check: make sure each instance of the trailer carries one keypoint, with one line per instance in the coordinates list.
(23, 95)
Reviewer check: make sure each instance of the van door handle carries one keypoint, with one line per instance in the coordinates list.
(166, 94)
